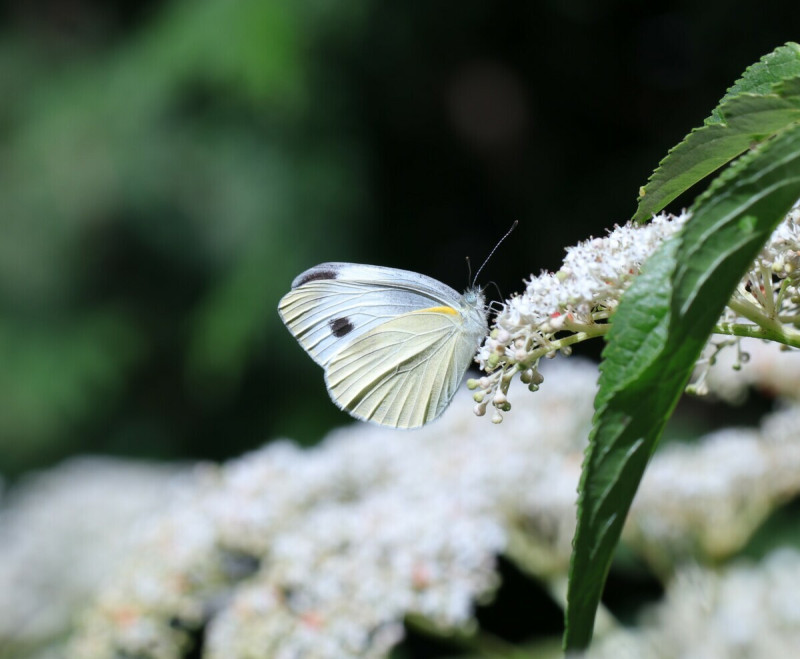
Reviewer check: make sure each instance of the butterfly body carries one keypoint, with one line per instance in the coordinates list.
(394, 344)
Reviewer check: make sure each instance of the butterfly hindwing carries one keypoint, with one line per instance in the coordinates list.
(404, 372)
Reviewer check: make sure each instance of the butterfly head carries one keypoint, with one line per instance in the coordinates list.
(474, 297)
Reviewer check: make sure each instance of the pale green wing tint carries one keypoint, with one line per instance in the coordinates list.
(404, 372)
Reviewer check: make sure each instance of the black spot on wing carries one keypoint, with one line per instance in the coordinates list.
(340, 326)
(317, 275)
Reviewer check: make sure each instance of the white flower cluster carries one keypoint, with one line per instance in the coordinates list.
(766, 304)
(745, 610)
(162, 593)
(722, 490)
(780, 255)
(560, 309)
(61, 534)
(347, 539)
(324, 552)
(576, 301)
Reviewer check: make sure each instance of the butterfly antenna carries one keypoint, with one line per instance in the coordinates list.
(499, 242)
(469, 271)
(497, 288)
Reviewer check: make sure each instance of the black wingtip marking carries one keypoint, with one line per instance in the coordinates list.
(317, 275)
(340, 327)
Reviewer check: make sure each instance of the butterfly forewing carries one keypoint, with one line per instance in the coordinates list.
(333, 303)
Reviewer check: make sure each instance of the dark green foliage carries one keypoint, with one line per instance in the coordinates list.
(764, 101)
(662, 325)
(152, 196)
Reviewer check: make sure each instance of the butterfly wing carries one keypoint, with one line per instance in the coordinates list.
(333, 303)
(404, 372)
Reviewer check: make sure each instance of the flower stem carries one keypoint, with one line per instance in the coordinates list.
(777, 332)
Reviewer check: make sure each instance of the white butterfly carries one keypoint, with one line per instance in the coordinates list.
(394, 344)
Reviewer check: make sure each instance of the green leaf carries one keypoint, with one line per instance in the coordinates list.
(781, 64)
(764, 101)
(658, 332)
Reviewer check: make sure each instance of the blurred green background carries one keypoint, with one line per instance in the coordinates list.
(167, 168)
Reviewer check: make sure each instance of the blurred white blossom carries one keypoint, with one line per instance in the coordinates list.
(62, 533)
(348, 538)
(287, 552)
(767, 366)
(744, 610)
(705, 500)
